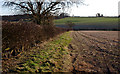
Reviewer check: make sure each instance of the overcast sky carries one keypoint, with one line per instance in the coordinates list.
(105, 7)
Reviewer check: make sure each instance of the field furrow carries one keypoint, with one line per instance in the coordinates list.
(95, 51)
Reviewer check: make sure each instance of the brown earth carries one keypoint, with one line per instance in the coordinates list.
(89, 51)
(95, 51)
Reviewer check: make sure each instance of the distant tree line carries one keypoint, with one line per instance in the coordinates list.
(27, 17)
(16, 17)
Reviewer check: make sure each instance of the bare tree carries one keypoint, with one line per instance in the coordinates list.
(41, 10)
(98, 15)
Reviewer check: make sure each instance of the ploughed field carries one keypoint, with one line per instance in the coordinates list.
(73, 51)
(95, 51)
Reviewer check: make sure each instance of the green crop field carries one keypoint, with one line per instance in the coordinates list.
(86, 20)
(85, 23)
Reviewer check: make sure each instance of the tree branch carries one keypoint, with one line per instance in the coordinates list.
(20, 6)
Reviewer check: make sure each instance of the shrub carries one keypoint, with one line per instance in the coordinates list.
(20, 36)
(70, 24)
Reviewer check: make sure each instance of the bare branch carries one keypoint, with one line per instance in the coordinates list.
(41, 8)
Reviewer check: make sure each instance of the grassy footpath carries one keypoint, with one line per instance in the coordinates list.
(48, 59)
(85, 20)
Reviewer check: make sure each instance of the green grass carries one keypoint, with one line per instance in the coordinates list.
(85, 20)
(48, 59)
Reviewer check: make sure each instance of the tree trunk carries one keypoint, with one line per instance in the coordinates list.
(37, 19)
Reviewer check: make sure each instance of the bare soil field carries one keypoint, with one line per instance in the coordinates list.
(95, 51)
(85, 51)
